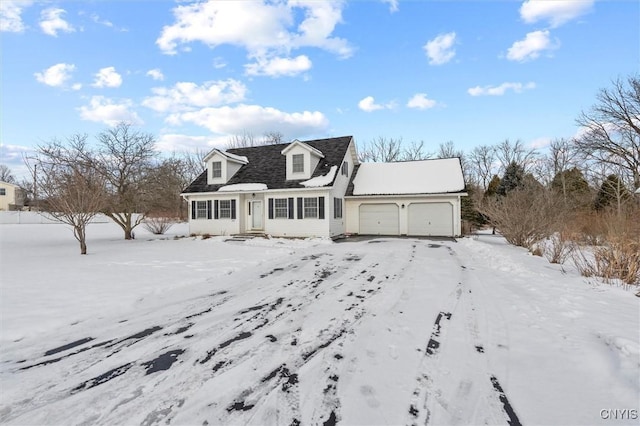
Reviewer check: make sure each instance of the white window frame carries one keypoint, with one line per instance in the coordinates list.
(201, 210)
(224, 209)
(297, 163)
(216, 169)
(310, 205)
(281, 208)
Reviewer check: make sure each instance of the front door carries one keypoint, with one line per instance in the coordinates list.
(256, 215)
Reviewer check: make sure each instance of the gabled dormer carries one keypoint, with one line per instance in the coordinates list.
(221, 166)
(302, 160)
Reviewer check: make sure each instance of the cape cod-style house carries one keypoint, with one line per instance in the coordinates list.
(317, 188)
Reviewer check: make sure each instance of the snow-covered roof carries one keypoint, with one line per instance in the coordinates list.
(409, 177)
(321, 180)
(233, 157)
(244, 187)
(304, 145)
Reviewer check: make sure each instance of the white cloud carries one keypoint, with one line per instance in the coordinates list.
(254, 119)
(540, 143)
(95, 18)
(501, 89)
(263, 28)
(156, 74)
(107, 77)
(13, 154)
(184, 143)
(556, 12)
(186, 96)
(56, 75)
(420, 101)
(440, 50)
(368, 104)
(104, 110)
(11, 15)
(393, 5)
(530, 48)
(276, 67)
(219, 62)
(51, 22)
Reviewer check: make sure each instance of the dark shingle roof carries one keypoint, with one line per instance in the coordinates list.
(267, 165)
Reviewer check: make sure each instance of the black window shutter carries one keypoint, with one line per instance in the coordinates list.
(299, 208)
(335, 208)
(270, 208)
(233, 209)
(215, 209)
(320, 207)
(193, 210)
(208, 209)
(249, 207)
(291, 208)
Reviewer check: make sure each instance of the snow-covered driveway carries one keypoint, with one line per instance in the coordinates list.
(386, 331)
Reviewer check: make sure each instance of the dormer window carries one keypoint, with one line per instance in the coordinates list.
(216, 169)
(298, 163)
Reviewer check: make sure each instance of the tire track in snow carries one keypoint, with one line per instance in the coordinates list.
(436, 398)
(170, 358)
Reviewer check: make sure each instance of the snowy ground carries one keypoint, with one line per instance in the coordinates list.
(385, 331)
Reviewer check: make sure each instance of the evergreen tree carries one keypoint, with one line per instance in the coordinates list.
(513, 178)
(492, 187)
(468, 209)
(571, 186)
(611, 192)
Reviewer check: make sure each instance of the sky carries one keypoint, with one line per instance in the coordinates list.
(195, 73)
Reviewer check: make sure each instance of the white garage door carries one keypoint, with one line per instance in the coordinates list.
(379, 219)
(431, 219)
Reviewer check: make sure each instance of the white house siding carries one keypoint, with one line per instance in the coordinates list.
(280, 227)
(214, 226)
(295, 227)
(310, 162)
(338, 226)
(352, 210)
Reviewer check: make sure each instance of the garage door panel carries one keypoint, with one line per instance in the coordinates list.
(430, 219)
(379, 219)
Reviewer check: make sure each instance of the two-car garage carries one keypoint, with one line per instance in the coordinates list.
(414, 198)
(416, 218)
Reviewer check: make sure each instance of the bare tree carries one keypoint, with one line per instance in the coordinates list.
(508, 152)
(415, 151)
(124, 159)
(273, 137)
(482, 164)
(449, 150)
(73, 189)
(6, 175)
(612, 128)
(192, 165)
(381, 150)
(248, 139)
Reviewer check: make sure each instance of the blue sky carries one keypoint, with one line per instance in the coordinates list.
(194, 73)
